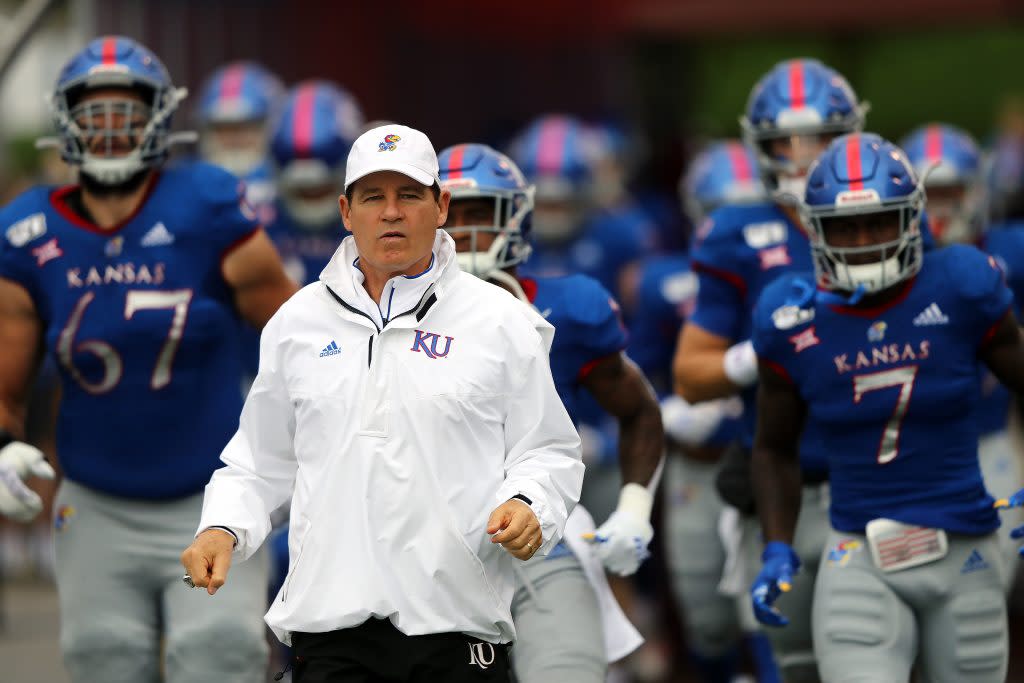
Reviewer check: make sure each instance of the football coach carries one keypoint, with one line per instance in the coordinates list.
(407, 409)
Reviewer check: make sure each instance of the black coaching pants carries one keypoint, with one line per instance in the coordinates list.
(377, 652)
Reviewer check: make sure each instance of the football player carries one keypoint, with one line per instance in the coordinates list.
(950, 166)
(568, 623)
(237, 108)
(570, 235)
(318, 124)
(792, 114)
(722, 173)
(134, 280)
(873, 359)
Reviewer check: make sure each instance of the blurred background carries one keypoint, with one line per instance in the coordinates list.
(669, 74)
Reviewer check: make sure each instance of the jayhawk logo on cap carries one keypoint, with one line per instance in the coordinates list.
(388, 144)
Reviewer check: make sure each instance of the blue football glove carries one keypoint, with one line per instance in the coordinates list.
(779, 564)
(1014, 501)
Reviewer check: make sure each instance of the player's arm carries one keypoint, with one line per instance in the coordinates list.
(775, 474)
(775, 463)
(21, 334)
(255, 273)
(708, 364)
(621, 389)
(699, 365)
(1003, 352)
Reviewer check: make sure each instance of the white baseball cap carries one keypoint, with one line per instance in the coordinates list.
(393, 148)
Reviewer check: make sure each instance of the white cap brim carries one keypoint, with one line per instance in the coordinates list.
(413, 172)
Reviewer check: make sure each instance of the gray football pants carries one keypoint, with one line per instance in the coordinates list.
(793, 645)
(121, 596)
(869, 626)
(1001, 470)
(559, 637)
(696, 557)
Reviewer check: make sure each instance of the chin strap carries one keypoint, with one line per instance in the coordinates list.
(511, 284)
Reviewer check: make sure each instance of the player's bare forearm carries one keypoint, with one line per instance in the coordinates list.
(698, 370)
(620, 387)
(1003, 353)
(21, 335)
(256, 275)
(775, 464)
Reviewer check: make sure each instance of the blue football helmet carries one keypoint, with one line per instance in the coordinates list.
(556, 153)
(319, 122)
(473, 171)
(803, 104)
(860, 174)
(723, 172)
(236, 96)
(950, 164)
(113, 138)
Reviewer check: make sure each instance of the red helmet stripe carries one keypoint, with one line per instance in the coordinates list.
(854, 168)
(109, 51)
(796, 84)
(455, 165)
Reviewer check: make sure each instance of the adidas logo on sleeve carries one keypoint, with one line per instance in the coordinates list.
(932, 315)
(330, 350)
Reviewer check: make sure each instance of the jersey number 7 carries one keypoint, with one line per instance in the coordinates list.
(113, 367)
(889, 446)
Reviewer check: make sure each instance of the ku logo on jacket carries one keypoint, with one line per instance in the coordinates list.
(428, 343)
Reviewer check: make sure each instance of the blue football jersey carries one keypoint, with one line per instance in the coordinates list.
(607, 243)
(305, 253)
(667, 294)
(740, 250)
(892, 391)
(588, 328)
(142, 325)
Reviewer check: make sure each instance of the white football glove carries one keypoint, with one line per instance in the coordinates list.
(19, 461)
(692, 424)
(740, 364)
(621, 542)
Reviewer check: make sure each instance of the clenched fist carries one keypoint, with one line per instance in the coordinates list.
(208, 559)
(516, 528)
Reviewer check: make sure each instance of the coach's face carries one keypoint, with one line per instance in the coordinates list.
(394, 220)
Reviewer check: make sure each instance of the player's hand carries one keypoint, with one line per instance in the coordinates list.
(621, 542)
(1014, 501)
(19, 461)
(208, 559)
(780, 564)
(692, 424)
(516, 528)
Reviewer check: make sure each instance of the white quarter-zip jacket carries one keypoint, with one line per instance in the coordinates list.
(395, 437)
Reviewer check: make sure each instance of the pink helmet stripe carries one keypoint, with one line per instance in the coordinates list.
(740, 162)
(551, 146)
(231, 83)
(302, 123)
(933, 143)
